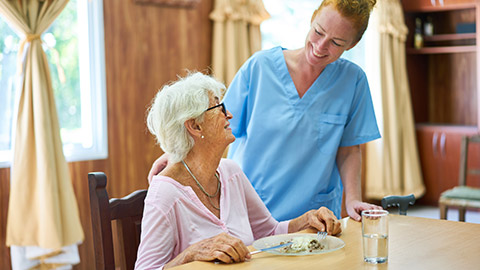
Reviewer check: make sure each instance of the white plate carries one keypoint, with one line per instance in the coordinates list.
(333, 243)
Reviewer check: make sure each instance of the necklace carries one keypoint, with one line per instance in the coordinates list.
(201, 187)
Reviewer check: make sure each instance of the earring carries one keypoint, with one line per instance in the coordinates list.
(203, 137)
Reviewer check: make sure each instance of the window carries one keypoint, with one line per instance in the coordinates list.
(289, 25)
(9, 43)
(75, 50)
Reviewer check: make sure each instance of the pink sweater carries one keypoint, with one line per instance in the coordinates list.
(174, 218)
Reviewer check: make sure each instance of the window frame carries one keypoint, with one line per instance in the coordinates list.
(92, 85)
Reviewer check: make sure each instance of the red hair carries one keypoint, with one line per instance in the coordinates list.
(356, 11)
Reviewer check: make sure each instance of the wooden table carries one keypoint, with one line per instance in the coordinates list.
(414, 243)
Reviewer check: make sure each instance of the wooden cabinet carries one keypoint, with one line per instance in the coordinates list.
(444, 82)
(440, 157)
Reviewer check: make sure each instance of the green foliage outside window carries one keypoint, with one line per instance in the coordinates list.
(63, 60)
(60, 43)
(8, 58)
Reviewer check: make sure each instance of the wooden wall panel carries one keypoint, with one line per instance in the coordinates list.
(146, 46)
(4, 195)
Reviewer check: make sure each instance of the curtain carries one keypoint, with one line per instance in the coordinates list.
(236, 34)
(43, 225)
(392, 163)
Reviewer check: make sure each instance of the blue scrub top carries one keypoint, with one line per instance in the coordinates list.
(287, 145)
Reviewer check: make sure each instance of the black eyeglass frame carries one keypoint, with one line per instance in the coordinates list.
(224, 110)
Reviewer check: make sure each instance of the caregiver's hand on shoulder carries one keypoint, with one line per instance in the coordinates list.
(355, 208)
(158, 166)
(321, 219)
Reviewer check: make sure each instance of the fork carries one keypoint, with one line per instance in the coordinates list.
(270, 248)
(321, 235)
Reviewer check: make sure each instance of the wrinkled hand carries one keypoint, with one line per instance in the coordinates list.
(323, 220)
(222, 247)
(158, 166)
(355, 208)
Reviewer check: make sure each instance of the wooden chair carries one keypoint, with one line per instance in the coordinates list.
(126, 212)
(402, 202)
(462, 196)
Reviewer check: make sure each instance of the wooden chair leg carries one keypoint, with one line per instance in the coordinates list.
(443, 211)
(461, 214)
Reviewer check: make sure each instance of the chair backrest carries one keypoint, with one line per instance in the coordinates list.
(126, 212)
(402, 202)
(466, 140)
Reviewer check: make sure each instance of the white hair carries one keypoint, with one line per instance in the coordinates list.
(185, 99)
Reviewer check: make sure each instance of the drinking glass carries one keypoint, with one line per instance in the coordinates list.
(375, 236)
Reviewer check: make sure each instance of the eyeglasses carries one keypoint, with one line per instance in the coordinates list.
(219, 105)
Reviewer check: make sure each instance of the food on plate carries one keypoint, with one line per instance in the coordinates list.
(304, 244)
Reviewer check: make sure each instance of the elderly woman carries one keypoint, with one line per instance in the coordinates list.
(202, 207)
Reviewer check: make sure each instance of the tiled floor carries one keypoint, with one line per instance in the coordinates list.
(433, 212)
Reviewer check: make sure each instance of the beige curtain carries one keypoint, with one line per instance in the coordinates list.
(392, 163)
(43, 220)
(236, 34)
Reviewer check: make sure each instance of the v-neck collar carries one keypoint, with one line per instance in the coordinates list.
(290, 89)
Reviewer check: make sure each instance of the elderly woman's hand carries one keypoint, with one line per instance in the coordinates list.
(322, 219)
(223, 247)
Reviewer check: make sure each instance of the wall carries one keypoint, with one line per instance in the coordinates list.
(145, 47)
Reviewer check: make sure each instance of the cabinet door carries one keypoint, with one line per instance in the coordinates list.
(449, 146)
(450, 151)
(439, 148)
(430, 162)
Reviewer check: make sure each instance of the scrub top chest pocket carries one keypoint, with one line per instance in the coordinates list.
(330, 128)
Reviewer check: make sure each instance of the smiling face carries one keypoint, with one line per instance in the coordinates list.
(216, 124)
(330, 35)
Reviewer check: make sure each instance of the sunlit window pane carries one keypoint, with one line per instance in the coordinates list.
(61, 47)
(75, 51)
(9, 41)
(289, 23)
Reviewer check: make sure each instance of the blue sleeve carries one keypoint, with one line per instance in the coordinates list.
(235, 101)
(361, 126)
